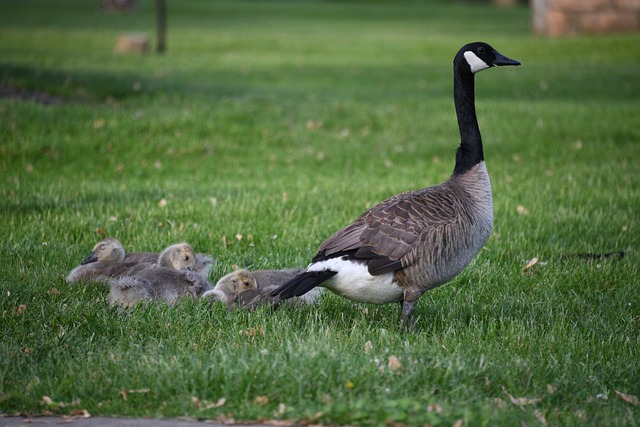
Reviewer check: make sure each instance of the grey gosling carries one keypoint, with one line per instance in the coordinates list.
(417, 240)
(227, 289)
(203, 262)
(156, 283)
(107, 260)
(249, 289)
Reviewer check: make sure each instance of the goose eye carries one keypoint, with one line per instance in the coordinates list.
(481, 49)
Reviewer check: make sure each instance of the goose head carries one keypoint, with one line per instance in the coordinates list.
(230, 286)
(242, 280)
(109, 250)
(479, 56)
(180, 256)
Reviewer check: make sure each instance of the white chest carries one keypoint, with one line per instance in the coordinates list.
(354, 282)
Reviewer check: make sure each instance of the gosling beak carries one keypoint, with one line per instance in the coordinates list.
(91, 258)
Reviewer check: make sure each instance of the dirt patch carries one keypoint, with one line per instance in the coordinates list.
(20, 94)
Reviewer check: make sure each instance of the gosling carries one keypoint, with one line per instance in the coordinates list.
(249, 289)
(107, 260)
(156, 283)
(230, 286)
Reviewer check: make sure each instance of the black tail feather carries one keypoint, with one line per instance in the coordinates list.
(302, 283)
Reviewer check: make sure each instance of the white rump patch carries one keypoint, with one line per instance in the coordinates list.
(354, 282)
(474, 62)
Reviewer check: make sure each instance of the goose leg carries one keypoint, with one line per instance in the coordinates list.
(407, 314)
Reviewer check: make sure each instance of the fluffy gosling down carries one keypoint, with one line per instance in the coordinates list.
(108, 259)
(417, 240)
(156, 283)
(249, 289)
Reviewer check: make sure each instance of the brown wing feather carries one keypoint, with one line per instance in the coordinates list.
(387, 233)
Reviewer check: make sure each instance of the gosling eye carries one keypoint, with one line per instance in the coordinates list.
(186, 257)
(246, 284)
(102, 246)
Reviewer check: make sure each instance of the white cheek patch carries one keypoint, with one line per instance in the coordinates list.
(474, 62)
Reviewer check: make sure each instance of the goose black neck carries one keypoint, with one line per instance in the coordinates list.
(470, 151)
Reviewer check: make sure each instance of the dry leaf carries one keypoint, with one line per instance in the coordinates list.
(99, 124)
(238, 237)
(551, 389)
(629, 398)
(393, 363)
(521, 401)
(140, 390)
(163, 203)
(261, 400)
(80, 413)
(368, 346)
(19, 310)
(458, 423)
(434, 407)
(522, 210)
(220, 402)
(533, 261)
(281, 408)
(223, 419)
(46, 400)
(540, 416)
(314, 124)
(53, 291)
(123, 393)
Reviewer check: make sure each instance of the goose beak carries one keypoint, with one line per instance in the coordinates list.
(91, 258)
(503, 60)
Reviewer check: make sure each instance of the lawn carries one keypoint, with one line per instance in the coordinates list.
(265, 127)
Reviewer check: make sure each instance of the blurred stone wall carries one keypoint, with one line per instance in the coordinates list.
(561, 17)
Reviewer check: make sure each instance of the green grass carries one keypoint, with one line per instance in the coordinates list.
(294, 117)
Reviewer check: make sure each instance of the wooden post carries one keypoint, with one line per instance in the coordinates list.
(161, 25)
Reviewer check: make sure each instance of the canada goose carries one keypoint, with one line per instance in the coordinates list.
(107, 260)
(156, 283)
(417, 240)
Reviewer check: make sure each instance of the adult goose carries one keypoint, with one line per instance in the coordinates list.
(418, 240)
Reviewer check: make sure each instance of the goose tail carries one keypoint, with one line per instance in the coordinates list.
(302, 283)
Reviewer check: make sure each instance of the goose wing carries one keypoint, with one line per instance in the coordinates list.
(385, 236)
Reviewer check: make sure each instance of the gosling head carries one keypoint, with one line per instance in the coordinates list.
(237, 282)
(479, 56)
(230, 286)
(180, 256)
(108, 249)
